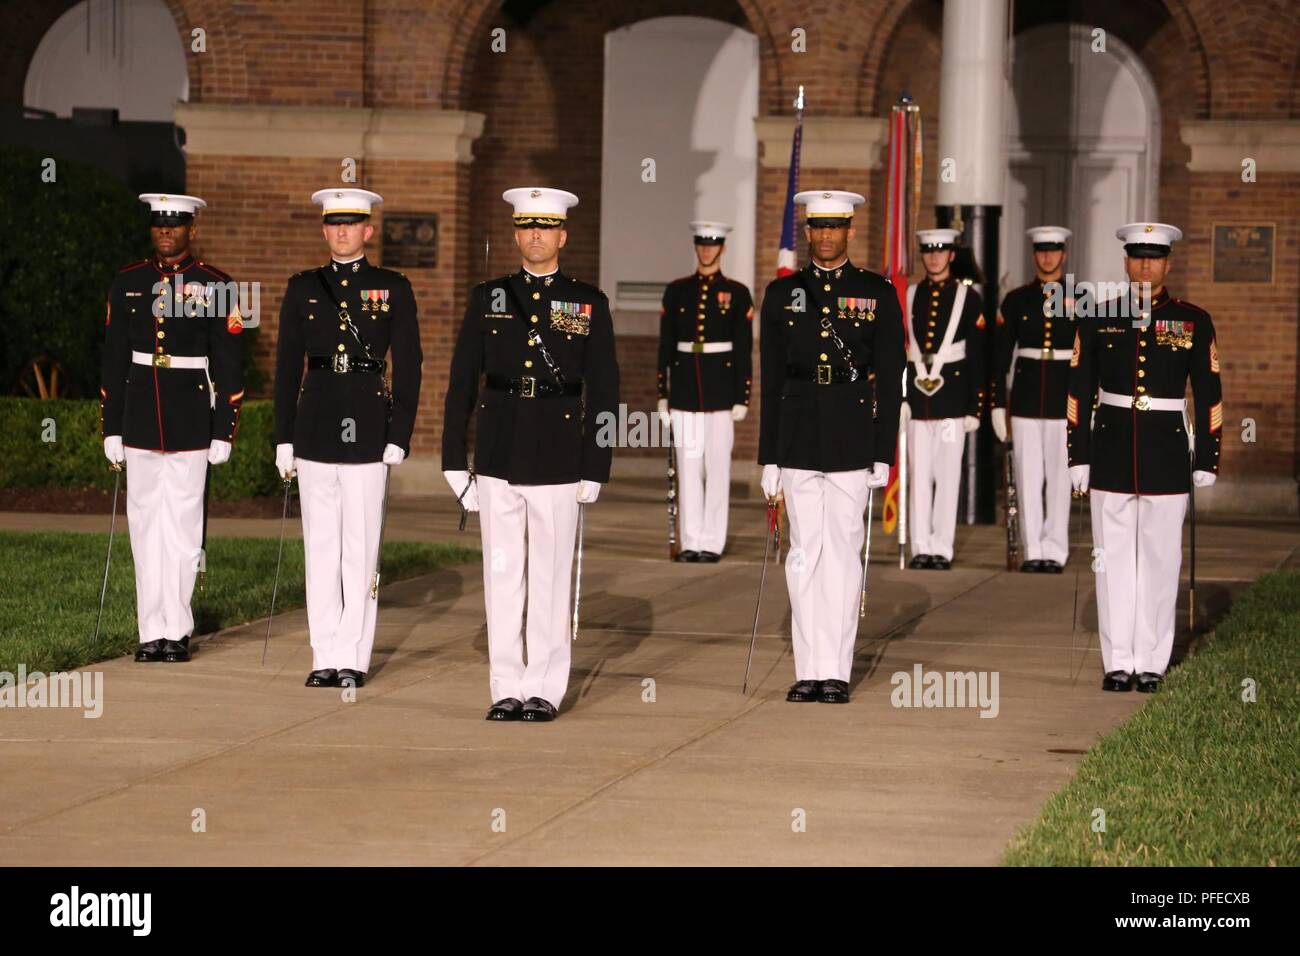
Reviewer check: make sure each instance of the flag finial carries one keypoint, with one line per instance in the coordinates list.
(798, 100)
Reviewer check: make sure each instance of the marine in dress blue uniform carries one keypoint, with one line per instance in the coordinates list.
(1137, 454)
(341, 424)
(705, 368)
(171, 392)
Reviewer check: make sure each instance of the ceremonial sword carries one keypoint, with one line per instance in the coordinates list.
(116, 468)
(770, 532)
(275, 585)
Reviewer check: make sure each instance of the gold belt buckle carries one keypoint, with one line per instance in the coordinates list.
(340, 362)
(1047, 354)
(823, 374)
(1142, 403)
(529, 384)
(162, 360)
(697, 346)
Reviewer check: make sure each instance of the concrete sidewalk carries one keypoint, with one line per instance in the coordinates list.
(657, 758)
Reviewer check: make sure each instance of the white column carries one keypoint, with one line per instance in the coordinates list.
(973, 88)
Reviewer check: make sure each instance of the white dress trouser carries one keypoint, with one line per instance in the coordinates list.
(1138, 551)
(934, 449)
(528, 542)
(342, 509)
(1042, 470)
(703, 441)
(164, 511)
(823, 569)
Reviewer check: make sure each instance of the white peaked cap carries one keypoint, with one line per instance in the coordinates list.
(1048, 234)
(540, 202)
(829, 203)
(356, 202)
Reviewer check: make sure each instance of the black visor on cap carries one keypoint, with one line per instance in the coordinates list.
(1146, 250)
(342, 218)
(1048, 246)
(937, 246)
(709, 240)
(829, 222)
(171, 218)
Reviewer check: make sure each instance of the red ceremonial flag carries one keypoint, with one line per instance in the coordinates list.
(903, 200)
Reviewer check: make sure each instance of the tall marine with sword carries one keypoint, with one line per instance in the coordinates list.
(535, 361)
(831, 354)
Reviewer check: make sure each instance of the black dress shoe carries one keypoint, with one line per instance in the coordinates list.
(1052, 567)
(804, 691)
(1148, 683)
(834, 692)
(1032, 567)
(150, 651)
(709, 557)
(537, 709)
(507, 708)
(350, 678)
(688, 556)
(1117, 680)
(939, 564)
(176, 652)
(328, 677)
(919, 562)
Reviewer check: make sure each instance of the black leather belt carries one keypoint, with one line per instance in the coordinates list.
(343, 362)
(530, 387)
(824, 374)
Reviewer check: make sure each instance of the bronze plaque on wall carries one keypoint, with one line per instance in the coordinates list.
(1243, 253)
(410, 240)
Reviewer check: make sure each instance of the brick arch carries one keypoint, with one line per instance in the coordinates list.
(475, 18)
(221, 74)
(1200, 62)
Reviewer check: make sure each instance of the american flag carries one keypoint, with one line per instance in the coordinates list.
(786, 262)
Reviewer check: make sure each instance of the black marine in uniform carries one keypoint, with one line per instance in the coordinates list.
(171, 393)
(831, 354)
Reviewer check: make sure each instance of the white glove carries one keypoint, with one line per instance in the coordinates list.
(664, 418)
(284, 460)
(879, 476)
(113, 449)
(393, 455)
(771, 480)
(218, 452)
(1203, 479)
(970, 423)
(1079, 477)
(588, 491)
(1000, 423)
(904, 415)
(738, 412)
(456, 481)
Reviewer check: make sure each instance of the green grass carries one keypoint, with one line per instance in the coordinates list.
(1198, 777)
(50, 594)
